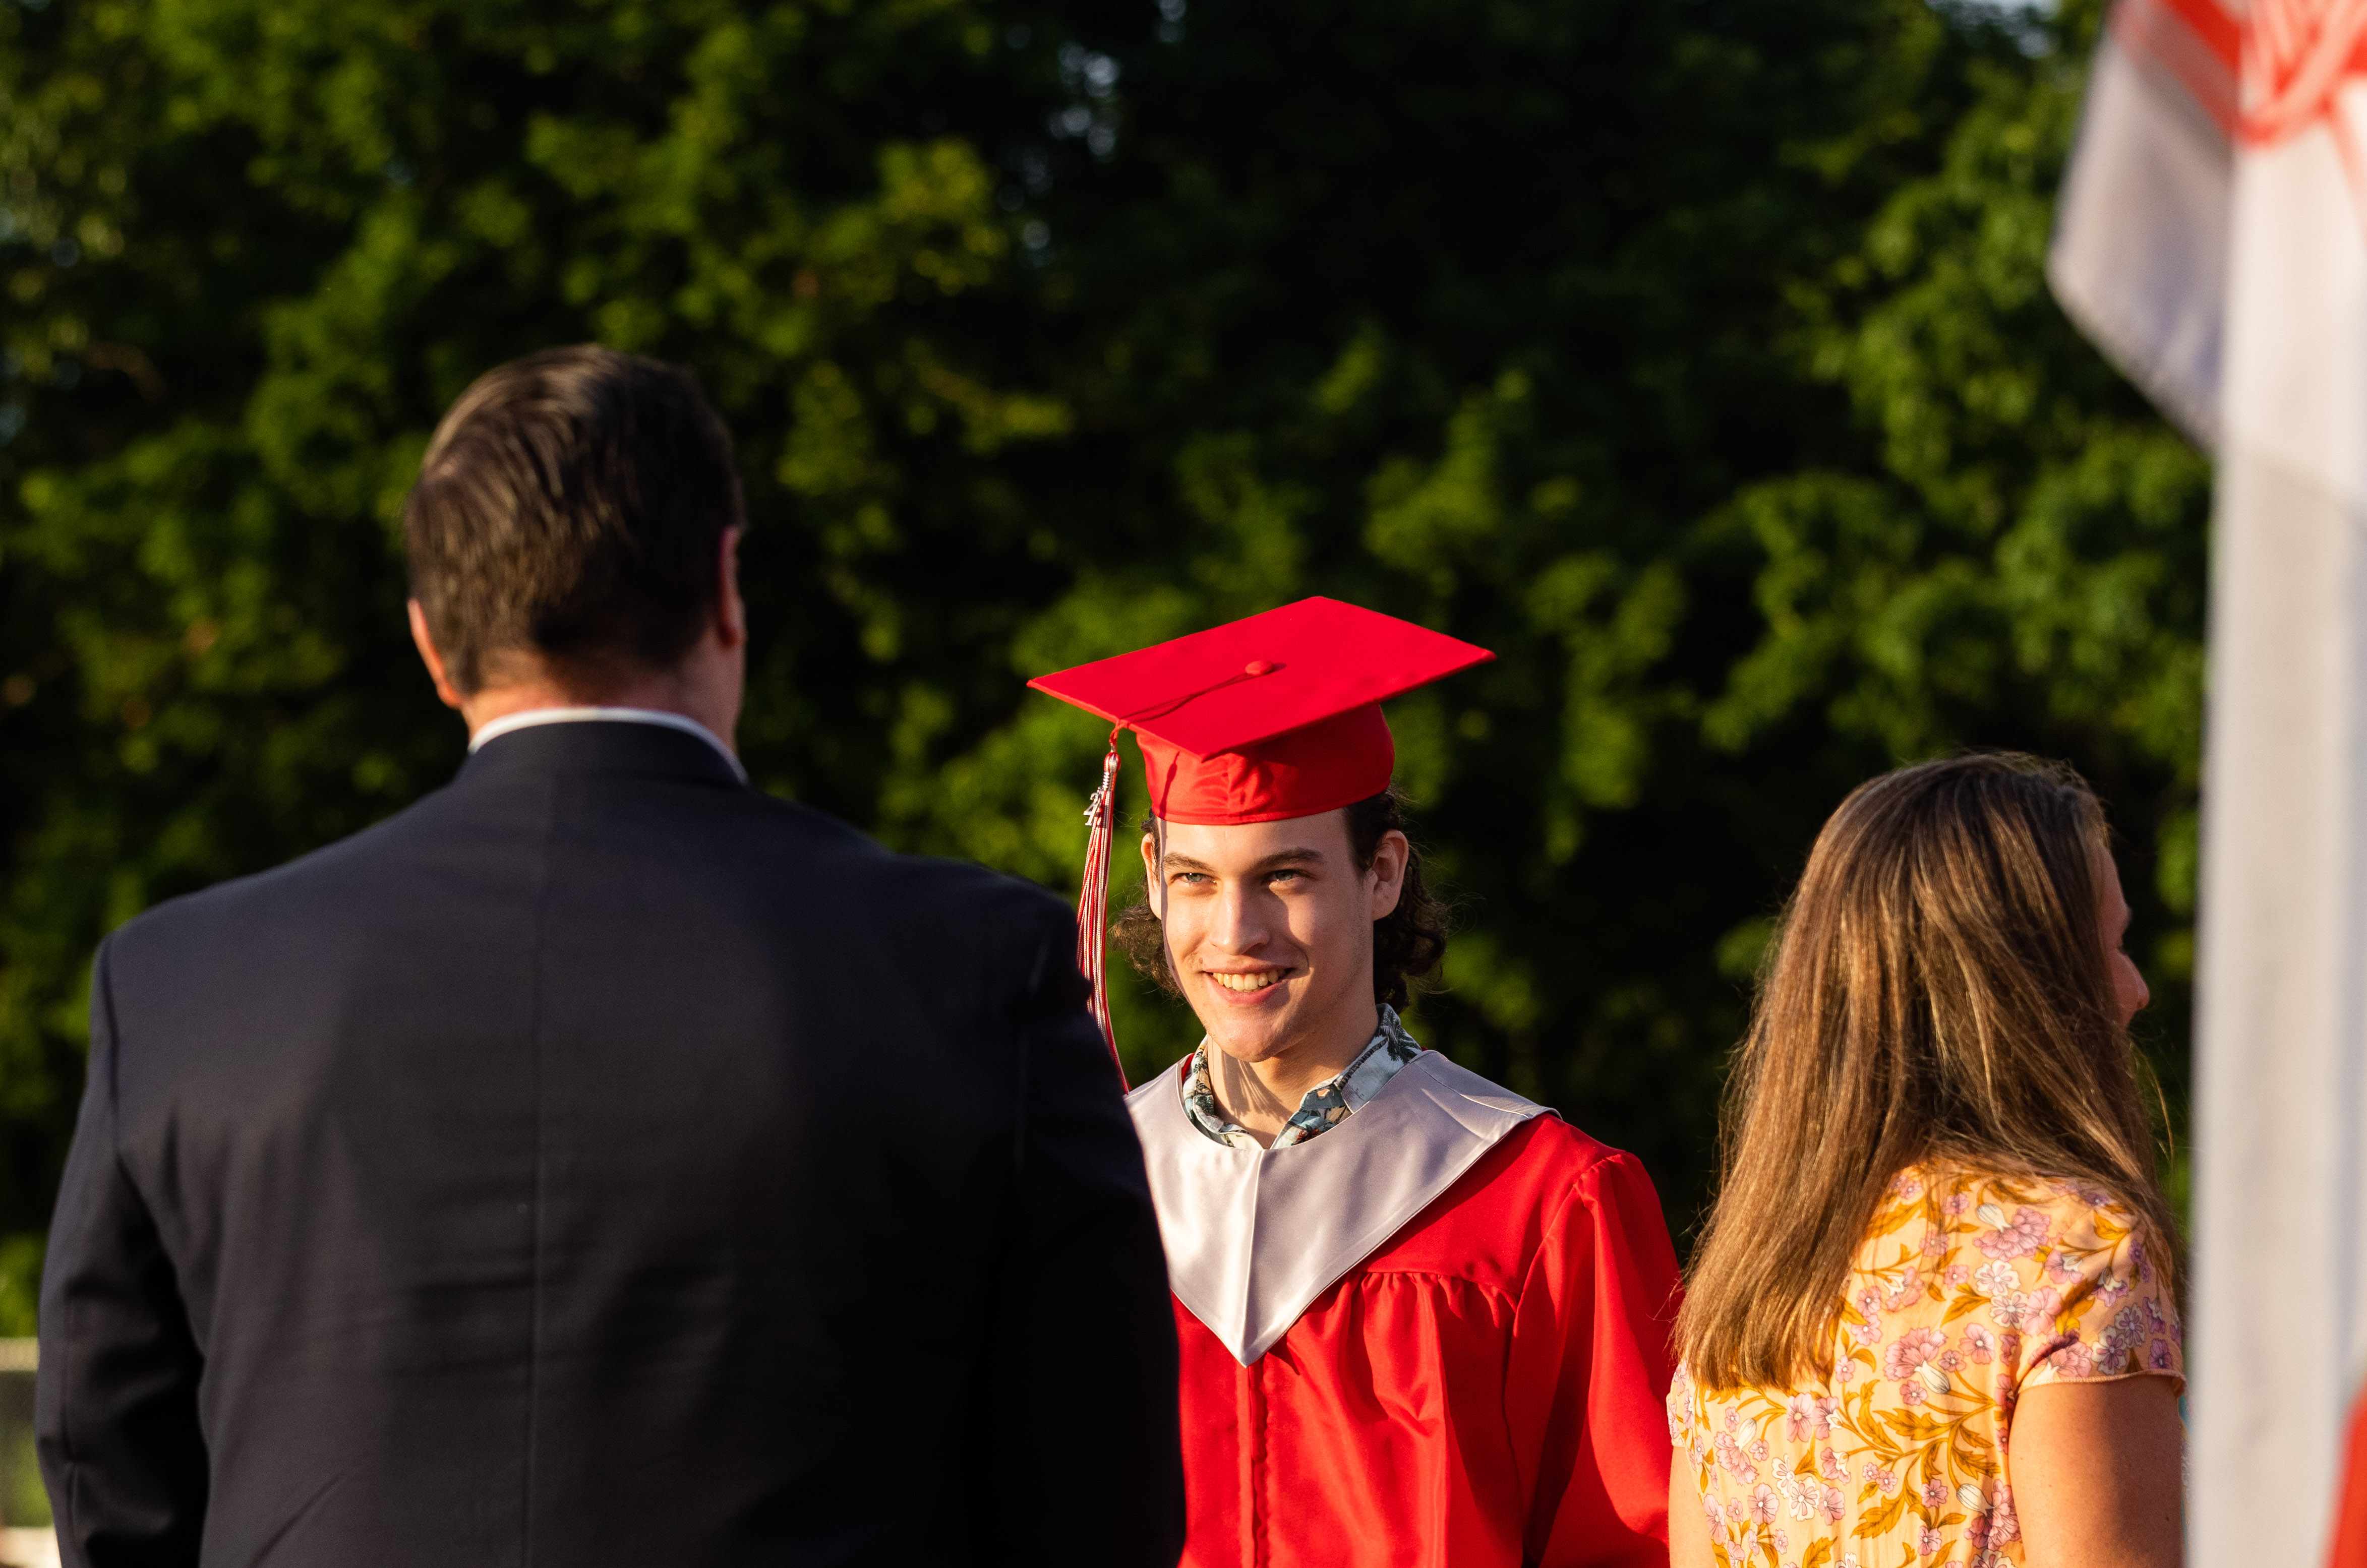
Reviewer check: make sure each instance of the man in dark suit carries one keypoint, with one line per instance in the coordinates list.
(600, 1162)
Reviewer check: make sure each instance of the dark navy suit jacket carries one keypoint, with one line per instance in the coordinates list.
(601, 1163)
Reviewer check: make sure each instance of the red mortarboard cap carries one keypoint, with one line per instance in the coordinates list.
(1274, 716)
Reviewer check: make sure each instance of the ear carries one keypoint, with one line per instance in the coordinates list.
(730, 622)
(1154, 882)
(433, 659)
(1390, 857)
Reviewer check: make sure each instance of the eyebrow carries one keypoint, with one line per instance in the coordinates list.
(1274, 862)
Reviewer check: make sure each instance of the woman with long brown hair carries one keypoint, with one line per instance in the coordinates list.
(1934, 1309)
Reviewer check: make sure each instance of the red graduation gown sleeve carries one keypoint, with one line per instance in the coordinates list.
(1484, 1390)
(1586, 1394)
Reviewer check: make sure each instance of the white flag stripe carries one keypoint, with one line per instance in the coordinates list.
(2152, 176)
(2296, 359)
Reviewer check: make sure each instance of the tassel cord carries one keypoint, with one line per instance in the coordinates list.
(1093, 901)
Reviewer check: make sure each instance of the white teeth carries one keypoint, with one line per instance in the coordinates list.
(1257, 982)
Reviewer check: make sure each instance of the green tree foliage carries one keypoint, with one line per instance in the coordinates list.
(1693, 356)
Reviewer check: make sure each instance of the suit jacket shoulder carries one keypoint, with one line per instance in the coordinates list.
(780, 866)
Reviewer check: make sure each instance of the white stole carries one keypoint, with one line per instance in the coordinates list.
(1253, 1236)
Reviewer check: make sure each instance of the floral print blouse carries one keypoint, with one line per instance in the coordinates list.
(1969, 1289)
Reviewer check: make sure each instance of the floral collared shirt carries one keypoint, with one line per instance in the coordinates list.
(1326, 1104)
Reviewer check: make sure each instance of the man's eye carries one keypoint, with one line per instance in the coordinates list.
(1289, 875)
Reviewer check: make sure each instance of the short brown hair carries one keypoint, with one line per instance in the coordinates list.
(1939, 993)
(1408, 942)
(571, 507)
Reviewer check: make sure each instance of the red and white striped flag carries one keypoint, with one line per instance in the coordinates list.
(2213, 240)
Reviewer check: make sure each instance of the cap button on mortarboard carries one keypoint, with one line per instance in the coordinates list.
(1257, 666)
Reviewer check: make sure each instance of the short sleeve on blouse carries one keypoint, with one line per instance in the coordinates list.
(2093, 1303)
(1683, 1412)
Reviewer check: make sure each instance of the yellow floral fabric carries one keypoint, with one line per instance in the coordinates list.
(1969, 1289)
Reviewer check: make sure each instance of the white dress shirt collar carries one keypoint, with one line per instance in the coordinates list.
(532, 716)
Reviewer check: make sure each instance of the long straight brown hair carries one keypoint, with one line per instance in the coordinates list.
(1939, 993)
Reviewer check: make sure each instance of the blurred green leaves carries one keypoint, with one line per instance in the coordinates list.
(1696, 359)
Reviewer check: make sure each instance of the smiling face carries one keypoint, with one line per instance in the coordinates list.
(1269, 927)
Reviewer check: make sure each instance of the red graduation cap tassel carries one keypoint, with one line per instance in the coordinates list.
(1093, 900)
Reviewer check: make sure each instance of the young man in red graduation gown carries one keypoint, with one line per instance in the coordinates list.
(1423, 1320)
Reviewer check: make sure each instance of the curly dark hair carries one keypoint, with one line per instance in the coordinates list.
(1408, 942)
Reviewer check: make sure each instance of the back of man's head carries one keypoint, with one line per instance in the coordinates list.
(567, 520)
